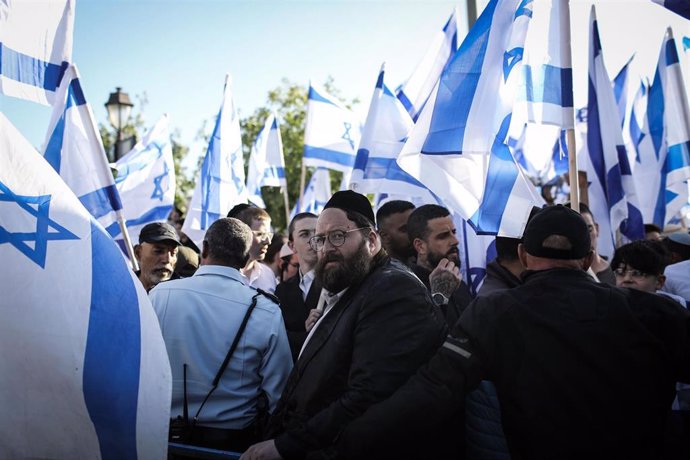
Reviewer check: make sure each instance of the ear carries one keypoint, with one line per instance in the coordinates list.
(137, 251)
(371, 241)
(204, 250)
(419, 246)
(522, 255)
(660, 281)
(291, 245)
(587, 260)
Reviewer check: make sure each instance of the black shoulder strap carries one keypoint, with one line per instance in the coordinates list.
(226, 361)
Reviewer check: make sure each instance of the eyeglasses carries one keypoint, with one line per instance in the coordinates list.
(621, 273)
(336, 238)
(262, 236)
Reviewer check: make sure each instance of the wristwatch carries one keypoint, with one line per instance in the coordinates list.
(439, 299)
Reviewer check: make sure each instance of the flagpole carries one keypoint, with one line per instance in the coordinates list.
(303, 176)
(287, 207)
(128, 241)
(570, 132)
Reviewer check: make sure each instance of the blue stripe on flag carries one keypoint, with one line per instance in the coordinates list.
(655, 112)
(678, 157)
(550, 84)
(447, 128)
(671, 52)
(112, 363)
(387, 168)
(404, 100)
(157, 214)
(331, 156)
(102, 201)
(29, 70)
(315, 96)
(53, 153)
(686, 43)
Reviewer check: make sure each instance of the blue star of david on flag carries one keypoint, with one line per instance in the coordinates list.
(158, 191)
(346, 136)
(38, 207)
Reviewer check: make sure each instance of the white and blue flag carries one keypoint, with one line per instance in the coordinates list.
(316, 194)
(681, 7)
(384, 134)
(612, 195)
(669, 128)
(74, 148)
(221, 181)
(146, 181)
(414, 93)
(547, 88)
(332, 133)
(620, 90)
(35, 47)
(266, 163)
(457, 148)
(84, 371)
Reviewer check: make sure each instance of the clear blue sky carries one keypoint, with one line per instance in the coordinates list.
(178, 52)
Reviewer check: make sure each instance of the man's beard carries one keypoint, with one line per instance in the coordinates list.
(347, 273)
(435, 257)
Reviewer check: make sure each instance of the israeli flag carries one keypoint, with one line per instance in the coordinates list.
(456, 148)
(414, 93)
(681, 7)
(546, 92)
(316, 194)
(476, 251)
(620, 90)
(612, 195)
(332, 133)
(541, 152)
(266, 163)
(221, 182)
(84, 371)
(73, 147)
(35, 47)
(146, 181)
(385, 131)
(669, 126)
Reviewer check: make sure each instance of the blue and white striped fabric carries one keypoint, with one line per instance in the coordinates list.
(476, 251)
(547, 89)
(620, 90)
(316, 194)
(385, 131)
(221, 182)
(456, 148)
(681, 7)
(266, 163)
(541, 152)
(669, 127)
(35, 48)
(85, 373)
(146, 181)
(414, 93)
(332, 133)
(612, 196)
(74, 148)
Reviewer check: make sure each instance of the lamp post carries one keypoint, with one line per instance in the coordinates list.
(119, 108)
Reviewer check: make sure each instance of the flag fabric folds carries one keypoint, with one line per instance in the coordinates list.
(35, 48)
(620, 90)
(221, 181)
(669, 127)
(681, 7)
(612, 196)
(414, 93)
(547, 88)
(385, 131)
(74, 148)
(457, 148)
(316, 194)
(84, 371)
(146, 181)
(332, 133)
(266, 163)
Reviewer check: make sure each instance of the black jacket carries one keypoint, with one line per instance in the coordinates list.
(368, 345)
(582, 369)
(460, 299)
(296, 310)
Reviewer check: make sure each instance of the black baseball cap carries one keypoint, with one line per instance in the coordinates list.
(557, 220)
(157, 232)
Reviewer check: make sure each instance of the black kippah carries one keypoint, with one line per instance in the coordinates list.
(347, 200)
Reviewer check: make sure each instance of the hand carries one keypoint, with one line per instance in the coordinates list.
(445, 278)
(313, 317)
(265, 450)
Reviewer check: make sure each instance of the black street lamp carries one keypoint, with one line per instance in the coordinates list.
(119, 108)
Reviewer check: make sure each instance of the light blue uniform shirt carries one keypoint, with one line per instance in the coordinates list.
(199, 318)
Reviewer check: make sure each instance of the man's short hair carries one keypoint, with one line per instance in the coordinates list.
(297, 218)
(418, 222)
(646, 256)
(392, 207)
(228, 241)
(649, 228)
(507, 248)
(584, 209)
(251, 213)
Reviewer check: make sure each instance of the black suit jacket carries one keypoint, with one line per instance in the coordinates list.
(295, 310)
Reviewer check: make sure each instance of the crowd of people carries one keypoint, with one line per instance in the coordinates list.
(355, 336)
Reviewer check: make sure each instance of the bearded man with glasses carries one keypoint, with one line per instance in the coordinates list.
(377, 325)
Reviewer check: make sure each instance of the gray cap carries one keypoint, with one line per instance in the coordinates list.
(157, 232)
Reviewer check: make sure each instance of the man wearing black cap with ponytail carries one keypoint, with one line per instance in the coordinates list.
(582, 369)
(377, 326)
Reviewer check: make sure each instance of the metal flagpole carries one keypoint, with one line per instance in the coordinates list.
(128, 241)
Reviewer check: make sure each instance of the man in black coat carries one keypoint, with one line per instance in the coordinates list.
(377, 327)
(299, 294)
(582, 369)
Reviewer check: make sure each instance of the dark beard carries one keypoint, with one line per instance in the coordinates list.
(434, 258)
(349, 272)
